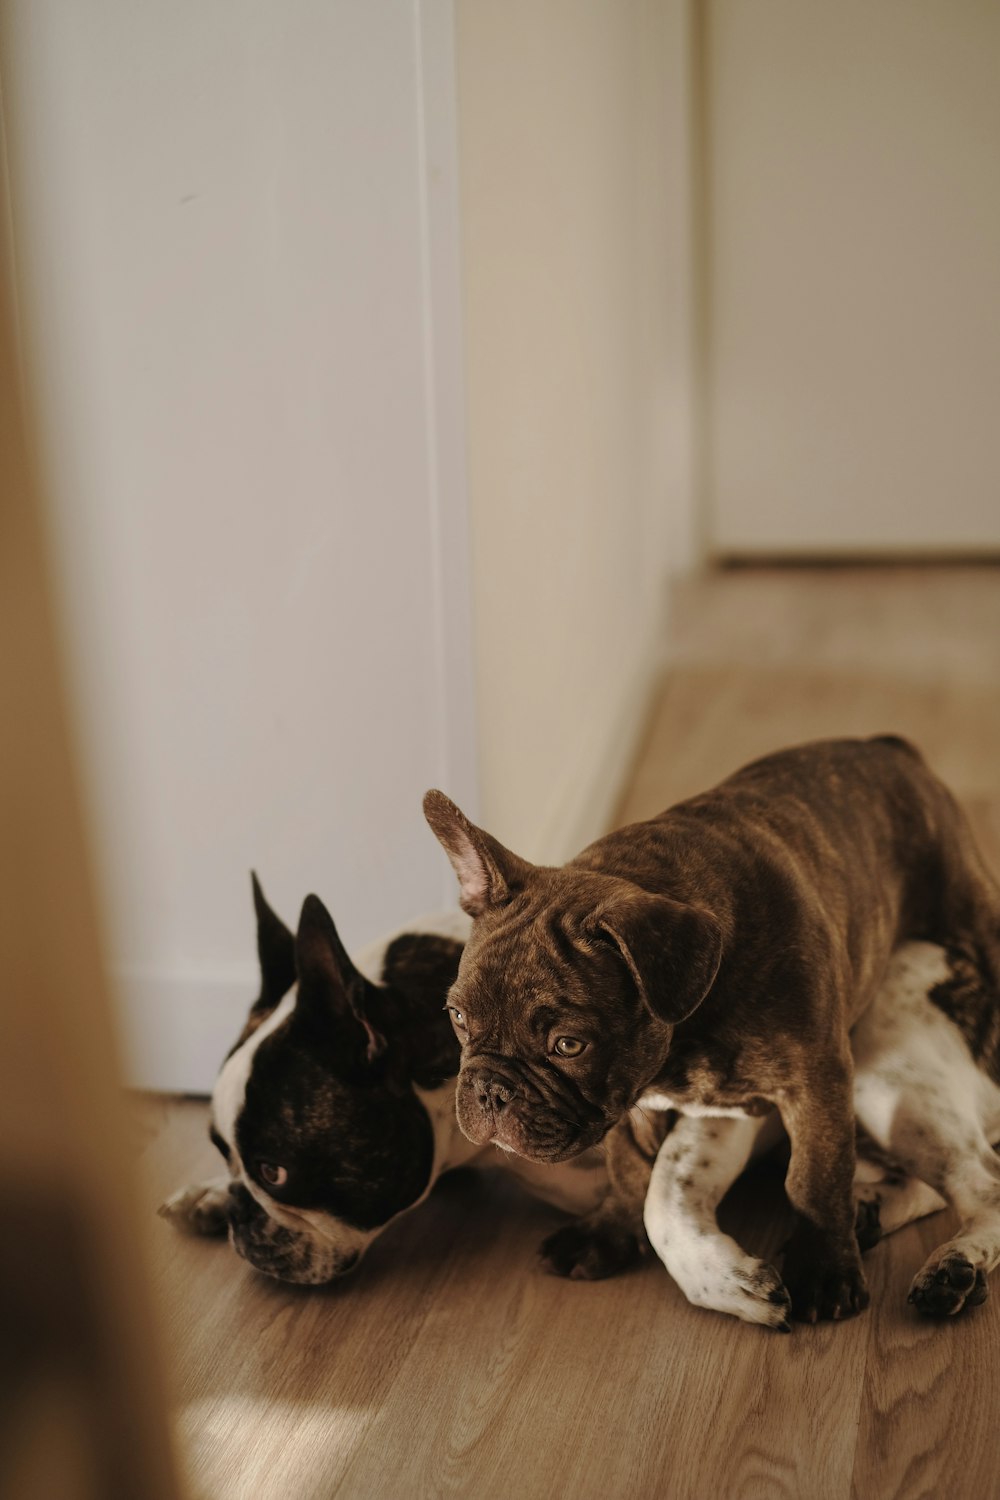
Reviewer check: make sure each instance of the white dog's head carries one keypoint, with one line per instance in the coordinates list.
(321, 1109)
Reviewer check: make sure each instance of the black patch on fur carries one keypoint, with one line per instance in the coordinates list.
(276, 956)
(332, 993)
(867, 1224)
(967, 1001)
(419, 969)
(275, 949)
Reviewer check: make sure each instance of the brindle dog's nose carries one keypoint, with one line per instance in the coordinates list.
(494, 1095)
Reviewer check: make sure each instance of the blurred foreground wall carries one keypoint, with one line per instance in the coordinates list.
(82, 1415)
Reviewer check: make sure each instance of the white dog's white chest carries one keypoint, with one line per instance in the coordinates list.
(653, 1099)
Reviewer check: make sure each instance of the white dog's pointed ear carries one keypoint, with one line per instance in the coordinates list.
(488, 874)
(672, 950)
(275, 949)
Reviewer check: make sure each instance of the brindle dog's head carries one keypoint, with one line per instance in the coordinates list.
(567, 993)
(317, 1109)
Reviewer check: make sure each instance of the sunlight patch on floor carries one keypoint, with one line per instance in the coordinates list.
(310, 1433)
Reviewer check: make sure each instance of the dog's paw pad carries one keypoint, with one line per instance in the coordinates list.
(747, 1289)
(767, 1299)
(947, 1285)
(586, 1252)
(199, 1209)
(867, 1224)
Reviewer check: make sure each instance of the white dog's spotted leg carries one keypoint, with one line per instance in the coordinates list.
(955, 1275)
(199, 1208)
(919, 1094)
(883, 1207)
(695, 1167)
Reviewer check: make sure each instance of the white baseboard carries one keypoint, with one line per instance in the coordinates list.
(593, 785)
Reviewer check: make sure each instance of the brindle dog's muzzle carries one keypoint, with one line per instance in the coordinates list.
(492, 1094)
(277, 1251)
(514, 1113)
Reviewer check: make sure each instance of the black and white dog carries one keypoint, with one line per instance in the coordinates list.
(335, 1112)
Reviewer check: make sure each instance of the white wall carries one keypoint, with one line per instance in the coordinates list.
(854, 216)
(576, 230)
(236, 232)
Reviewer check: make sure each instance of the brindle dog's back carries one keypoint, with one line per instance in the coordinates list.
(863, 827)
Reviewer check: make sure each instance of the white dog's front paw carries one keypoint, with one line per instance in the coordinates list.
(733, 1283)
(199, 1208)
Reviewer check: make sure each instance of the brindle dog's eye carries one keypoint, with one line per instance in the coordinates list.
(272, 1175)
(457, 1017)
(569, 1046)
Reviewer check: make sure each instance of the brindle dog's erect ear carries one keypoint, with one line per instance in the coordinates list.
(487, 873)
(331, 989)
(275, 949)
(672, 951)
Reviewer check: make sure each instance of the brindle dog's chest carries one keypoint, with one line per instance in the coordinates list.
(696, 1085)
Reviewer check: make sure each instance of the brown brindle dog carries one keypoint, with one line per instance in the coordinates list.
(712, 961)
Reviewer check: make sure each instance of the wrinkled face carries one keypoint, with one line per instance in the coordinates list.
(320, 1163)
(568, 992)
(555, 1037)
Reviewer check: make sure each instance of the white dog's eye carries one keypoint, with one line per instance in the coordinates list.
(457, 1017)
(272, 1175)
(569, 1046)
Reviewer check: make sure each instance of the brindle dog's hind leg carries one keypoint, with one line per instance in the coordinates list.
(611, 1238)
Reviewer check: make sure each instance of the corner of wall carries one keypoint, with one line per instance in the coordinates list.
(594, 784)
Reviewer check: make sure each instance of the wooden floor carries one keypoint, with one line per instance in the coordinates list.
(450, 1366)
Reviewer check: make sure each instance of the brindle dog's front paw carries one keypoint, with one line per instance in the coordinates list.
(200, 1208)
(589, 1251)
(823, 1290)
(947, 1284)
